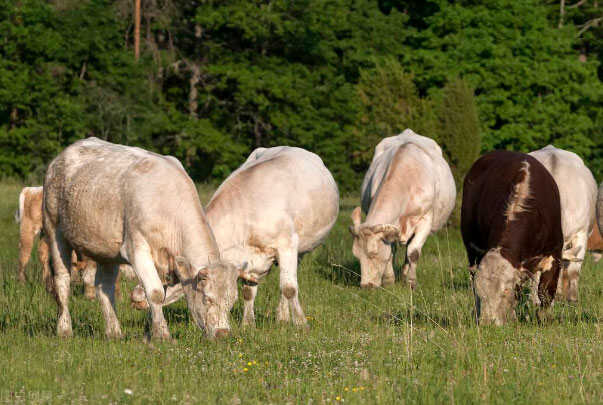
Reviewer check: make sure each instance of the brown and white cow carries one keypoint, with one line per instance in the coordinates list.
(408, 192)
(511, 226)
(578, 193)
(118, 204)
(29, 217)
(282, 202)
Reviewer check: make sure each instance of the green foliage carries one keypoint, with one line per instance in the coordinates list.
(459, 131)
(531, 87)
(389, 103)
(217, 79)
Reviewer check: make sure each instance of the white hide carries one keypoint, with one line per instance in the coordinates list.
(578, 194)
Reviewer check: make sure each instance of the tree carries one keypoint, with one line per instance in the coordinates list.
(459, 131)
(389, 103)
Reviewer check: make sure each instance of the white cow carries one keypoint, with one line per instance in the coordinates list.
(118, 204)
(578, 193)
(280, 203)
(407, 193)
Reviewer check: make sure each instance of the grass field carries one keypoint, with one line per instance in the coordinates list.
(382, 346)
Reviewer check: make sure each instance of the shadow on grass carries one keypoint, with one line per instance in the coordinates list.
(347, 274)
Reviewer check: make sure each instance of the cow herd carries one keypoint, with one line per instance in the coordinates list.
(106, 209)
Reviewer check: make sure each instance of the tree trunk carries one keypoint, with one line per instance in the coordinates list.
(136, 29)
(14, 117)
(192, 94)
(561, 12)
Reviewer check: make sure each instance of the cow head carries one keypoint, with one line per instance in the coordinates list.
(373, 248)
(210, 292)
(495, 286)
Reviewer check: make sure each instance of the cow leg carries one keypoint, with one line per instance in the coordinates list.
(413, 250)
(144, 267)
(44, 257)
(534, 287)
(287, 261)
(61, 261)
(570, 272)
(88, 274)
(249, 293)
(105, 289)
(27, 234)
(389, 277)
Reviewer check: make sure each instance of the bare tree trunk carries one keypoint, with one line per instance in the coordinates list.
(192, 94)
(136, 29)
(561, 12)
(14, 116)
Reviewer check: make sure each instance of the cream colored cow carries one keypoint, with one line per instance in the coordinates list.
(117, 204)
(578, 193)
(407, 193)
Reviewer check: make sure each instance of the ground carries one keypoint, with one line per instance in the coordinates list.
(380, 346)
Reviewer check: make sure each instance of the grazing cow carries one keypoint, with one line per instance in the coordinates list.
(595, 244)
(118, 204)
(280, 203)
(578, 193)
(511, 226)
(29, 217)
(407, 193)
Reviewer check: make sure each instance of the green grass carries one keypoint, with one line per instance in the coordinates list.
(362, 346)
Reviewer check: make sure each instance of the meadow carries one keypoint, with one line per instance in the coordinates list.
(387, 345)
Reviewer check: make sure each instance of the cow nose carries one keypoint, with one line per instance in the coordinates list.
(222, 333)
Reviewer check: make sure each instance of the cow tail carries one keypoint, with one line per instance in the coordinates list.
(20, 207)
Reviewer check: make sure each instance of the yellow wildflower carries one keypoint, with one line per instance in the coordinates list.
(245, 369)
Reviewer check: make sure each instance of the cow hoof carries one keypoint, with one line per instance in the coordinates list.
(222, 333)
(368, 285)
(22, 278)
(64, 333)
(388, 282)
(114, 334)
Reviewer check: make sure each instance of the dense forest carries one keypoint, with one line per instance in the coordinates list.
(208, 81)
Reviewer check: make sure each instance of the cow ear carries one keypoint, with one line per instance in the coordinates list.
(202, 274)
(182, 268)
(356, 218)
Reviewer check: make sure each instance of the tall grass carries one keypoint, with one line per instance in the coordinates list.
(383, 346)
